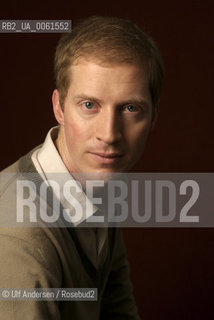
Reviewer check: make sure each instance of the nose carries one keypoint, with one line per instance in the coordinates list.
(109, 127)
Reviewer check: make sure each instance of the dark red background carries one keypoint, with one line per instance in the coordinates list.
(172, 269)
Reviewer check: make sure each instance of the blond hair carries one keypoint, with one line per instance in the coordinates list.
(108, 40)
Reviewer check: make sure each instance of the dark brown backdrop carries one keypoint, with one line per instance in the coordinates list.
(172, 270)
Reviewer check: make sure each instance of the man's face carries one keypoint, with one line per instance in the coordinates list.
(106, 119)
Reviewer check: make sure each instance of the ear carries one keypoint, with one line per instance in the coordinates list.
(58, 112)
(154, 118)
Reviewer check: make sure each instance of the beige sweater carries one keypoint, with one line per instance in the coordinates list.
(61, 258)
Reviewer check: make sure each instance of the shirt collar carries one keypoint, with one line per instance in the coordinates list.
(48, 155)
(51, 167)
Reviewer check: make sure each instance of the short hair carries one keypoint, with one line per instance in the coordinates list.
(108, 40)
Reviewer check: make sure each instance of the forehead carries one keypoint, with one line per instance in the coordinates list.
(98, 67)
(108, 77)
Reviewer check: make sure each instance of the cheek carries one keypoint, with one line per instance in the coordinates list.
(75, 134)
(137, 137)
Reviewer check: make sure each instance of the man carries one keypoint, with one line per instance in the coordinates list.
(108, 82)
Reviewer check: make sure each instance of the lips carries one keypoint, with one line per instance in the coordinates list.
(106, 158)
(108, 155)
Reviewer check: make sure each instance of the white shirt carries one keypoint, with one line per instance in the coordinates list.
(51, 167)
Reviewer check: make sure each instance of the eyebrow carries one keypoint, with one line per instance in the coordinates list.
(128, 101)
(85, 97)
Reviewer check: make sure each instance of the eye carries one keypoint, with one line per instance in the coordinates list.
(131, 108)
(88, 105)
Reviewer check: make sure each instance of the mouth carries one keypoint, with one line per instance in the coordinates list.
(106, 158)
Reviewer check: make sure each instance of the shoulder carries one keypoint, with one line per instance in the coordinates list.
(14, 172)
(22, 246)
(24, 162)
